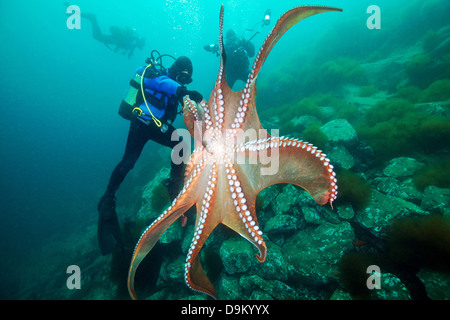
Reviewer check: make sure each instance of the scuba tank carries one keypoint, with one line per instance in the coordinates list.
(134, 96)
(133, 90)
(129, 101)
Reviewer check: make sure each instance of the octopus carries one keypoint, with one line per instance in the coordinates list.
(234, 158)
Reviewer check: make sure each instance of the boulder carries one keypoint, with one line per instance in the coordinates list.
(237, 255)
(402, 167)
(382, 209)
(341, 157)
(340, 131)
(436, 200)
(313, 253)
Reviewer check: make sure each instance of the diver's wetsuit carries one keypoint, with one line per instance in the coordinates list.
(138, 136)
(163, 90)
(162, 96)
(238, 52)
(124, 38)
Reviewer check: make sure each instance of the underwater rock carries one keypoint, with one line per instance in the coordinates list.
(285, 200)
(171, 272)
(147, 211)
(260, 295)
(400, 188)
(341, 157)
(172, 234)
(389, 73)
(237, 255)
(391, 288)
(229, 288)
(275, 288)
(402, 167)
(280, 226)
(364, 155)
(441, 108)
(303, 122)
(345, 212)
(437, 283)
(340, 131)
(275, 267)
(327, 112)
(314, 252)
(267, 195)
(281, 223)
(340, 294)
(311, 215)
(382, 209)
(397, 179)
(187, 240)
(152, 194)
(436, 200)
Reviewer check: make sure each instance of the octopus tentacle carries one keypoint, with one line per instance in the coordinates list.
(244, 220)
(286, 21)
(186, 199)
(221, 76)
(216, 100)
(299, 163)
(194, 115)
(195, 277)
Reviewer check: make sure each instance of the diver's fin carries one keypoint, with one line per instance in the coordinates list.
(108, 231)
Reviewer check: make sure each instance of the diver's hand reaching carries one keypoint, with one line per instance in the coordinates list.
(193, 95)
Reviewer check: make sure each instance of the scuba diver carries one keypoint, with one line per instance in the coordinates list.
(125, 39)
(238, 51)
(151, 104)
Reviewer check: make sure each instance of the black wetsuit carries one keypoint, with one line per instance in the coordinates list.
(238, 52)
(161, 90)
(138, 135)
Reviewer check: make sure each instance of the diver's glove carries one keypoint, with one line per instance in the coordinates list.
(193, 95)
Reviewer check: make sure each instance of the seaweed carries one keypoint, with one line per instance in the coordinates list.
(367, 91)
(411, 244)
(431, 40)
(396, 128)
(352, 274)
(352, 190)
(341, 71)
(316, 136)
(433, 174)
(410, 93)
(121, 256)
(439, 90)
(418, 70)
(387, 110)
(160, 197)
(420, 242)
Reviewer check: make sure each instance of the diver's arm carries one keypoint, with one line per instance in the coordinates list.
(162, 84)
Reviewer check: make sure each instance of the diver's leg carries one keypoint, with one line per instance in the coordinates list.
(135, 144)
(174, 183)
(108, 224)
(96, 32)
(170, 139)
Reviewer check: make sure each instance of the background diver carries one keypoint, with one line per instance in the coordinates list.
(151, 104)
(238, 51)
(125, 39)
